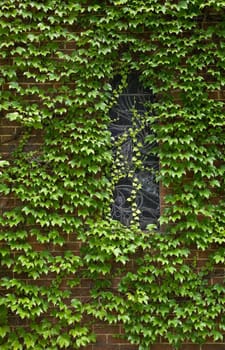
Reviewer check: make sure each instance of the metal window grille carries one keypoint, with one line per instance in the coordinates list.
(137, 164)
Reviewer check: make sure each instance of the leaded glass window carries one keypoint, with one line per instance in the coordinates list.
(136, 191)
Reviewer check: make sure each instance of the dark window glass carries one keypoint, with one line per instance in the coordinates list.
(136, 192)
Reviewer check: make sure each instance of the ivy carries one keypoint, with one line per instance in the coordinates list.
(58, 60)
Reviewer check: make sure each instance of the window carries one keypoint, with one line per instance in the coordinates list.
(135, 186)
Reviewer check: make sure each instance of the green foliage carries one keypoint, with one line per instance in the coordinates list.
(57, 60)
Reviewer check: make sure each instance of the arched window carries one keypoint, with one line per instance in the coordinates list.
(136, 192)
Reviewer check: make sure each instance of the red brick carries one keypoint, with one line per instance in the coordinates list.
(86, 283)
(128, 347)
(7, 202)
(213, 346)
(106, 347)
(77, 292)
(106, 329)
(215, 95)
(161, 347)
(7, 148)
(4, 272)
(40, 282)
(16, 321)
(71, 45)
(7, 138)
(191, 347)
(5, 122)
(101, 339)
(219, 280)
(115, 340)
(205, 254)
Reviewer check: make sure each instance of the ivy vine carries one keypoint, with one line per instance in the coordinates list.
(57, 61)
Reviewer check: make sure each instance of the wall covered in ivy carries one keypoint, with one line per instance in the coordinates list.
(68, 270)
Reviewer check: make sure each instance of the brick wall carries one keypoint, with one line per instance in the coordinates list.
(9, 136)
(106, 340)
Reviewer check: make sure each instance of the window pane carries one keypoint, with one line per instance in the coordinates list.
(134, 168)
